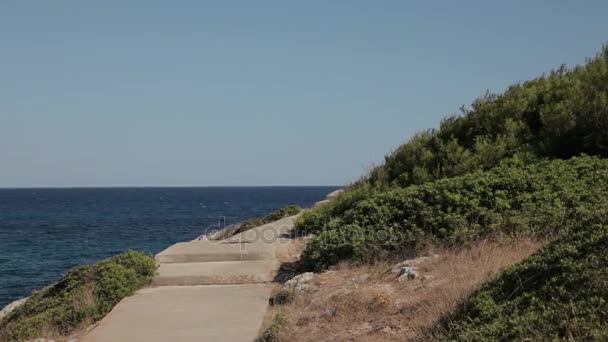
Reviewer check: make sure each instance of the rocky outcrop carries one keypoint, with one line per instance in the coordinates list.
(222, 233)
(12, 306)
(407, 270)
(300, 283)
(406, 273)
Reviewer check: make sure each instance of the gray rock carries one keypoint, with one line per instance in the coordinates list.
(300, 283)
(12, 306)
(407, 269)
(408, 275)
(222, 233)
(412, 263)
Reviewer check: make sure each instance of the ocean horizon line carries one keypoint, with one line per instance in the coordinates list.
(165, 187)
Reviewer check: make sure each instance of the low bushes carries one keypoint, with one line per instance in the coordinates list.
(83, 295)
(560, 293)
(315, 219)
(508, 200)
(284, 296)
(289, 210)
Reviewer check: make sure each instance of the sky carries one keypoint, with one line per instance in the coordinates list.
(231, 93)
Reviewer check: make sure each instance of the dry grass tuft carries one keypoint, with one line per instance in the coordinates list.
(85, 301)
(366, 303)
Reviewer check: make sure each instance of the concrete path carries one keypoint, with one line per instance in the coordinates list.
(205, 291)
(186, 313)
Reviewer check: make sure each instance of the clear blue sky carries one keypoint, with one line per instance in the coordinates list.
(136, 93)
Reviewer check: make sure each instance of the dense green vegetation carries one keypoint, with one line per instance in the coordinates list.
(560, 293)
(559, 115)
(556, 116)
(529, 161)
(82, 295)
(509, 200)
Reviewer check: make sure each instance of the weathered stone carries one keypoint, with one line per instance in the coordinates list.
(300, 283)
(222, 233)
(412, 262)
(407, 269)
(12, 306)
(408, 274)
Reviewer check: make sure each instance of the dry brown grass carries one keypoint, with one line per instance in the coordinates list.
(287, 252)
(366, 303)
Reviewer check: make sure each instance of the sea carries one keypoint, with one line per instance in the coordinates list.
(44, 232)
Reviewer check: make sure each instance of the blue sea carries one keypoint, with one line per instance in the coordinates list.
(44, 232)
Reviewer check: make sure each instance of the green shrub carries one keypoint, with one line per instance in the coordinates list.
(333, 245)
(560, 293)
(289, 210)
(250, 223)
(535, 199)
(83, 293)
(282, 297)
(272, 333)
(114, 283)
(316, 219)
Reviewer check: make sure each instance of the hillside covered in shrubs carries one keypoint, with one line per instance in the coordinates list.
(559, 293)
(541, 198)
(559, 115)
(82, 296)
(555, 116)
(528, 162)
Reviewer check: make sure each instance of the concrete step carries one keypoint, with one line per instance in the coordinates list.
(205, 250)
(174, 310)
(214, 273)
(227, 313)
